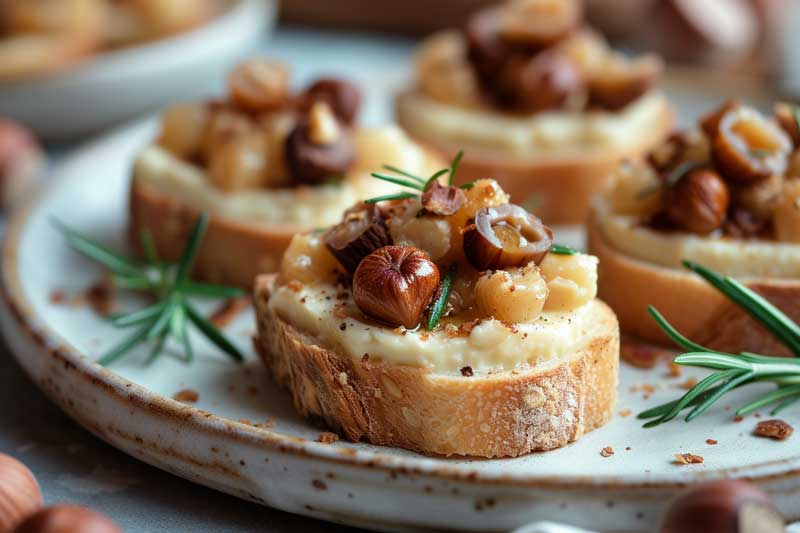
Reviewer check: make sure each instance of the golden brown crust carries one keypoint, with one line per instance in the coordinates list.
(505, 414)
(690, 304)
(232, 253)
(563, 186)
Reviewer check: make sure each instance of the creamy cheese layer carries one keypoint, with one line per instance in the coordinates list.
(551, 133)
(302, 206)
(731, 257)
(333, 318)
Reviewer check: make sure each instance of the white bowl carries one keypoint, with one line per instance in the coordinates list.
(117, 85)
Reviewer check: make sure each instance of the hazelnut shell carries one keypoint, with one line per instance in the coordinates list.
(361, 232)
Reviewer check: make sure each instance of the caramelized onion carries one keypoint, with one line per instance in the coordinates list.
(506, 236)
(361, 231)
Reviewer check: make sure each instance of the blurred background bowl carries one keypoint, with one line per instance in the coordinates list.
(117, 85)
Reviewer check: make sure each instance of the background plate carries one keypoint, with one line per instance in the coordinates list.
(217, 444)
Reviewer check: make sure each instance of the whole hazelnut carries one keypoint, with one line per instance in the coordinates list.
(698, 202)
(343, 97)
(67, 519)
(20, 161)
(728, 506)
(395, 284)
(548, 80)
(19, 492)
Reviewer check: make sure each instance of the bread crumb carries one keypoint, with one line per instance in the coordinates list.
(773, 429)
(100, 299)
(675, 370)
(326, 437)
(642, 355)
(688, 459)
(341, 377)
(467, 371)
(625, 413)
(186, 396)
(711, 442)
(228, 311)
(608, 451)
(738, 418)
(57, 297)
(688, 384)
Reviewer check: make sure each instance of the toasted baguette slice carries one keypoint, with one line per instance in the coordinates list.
(502, 414)
(694, 307)
(232, 253)
(561, 185)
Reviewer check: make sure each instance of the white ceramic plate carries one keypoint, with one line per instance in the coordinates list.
(129, 406)
(117, 85)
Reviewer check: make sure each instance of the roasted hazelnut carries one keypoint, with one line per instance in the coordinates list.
(239, 163)
(395, 284)
(20, 161)
(698, 202)
(709, 122)
(728, 506)
(748, 147)
(259, 85)
(224, 124)
(343, 97)
(622, 81)
(67, 519)
(309, 155)
(486, 49)
(361, 232)
(785, 116)
(443, 199)
(540, 23)
(19, 492)
(183, 128)
(506, 236)
(548, 80)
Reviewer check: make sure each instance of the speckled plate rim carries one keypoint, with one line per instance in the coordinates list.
(53, 345)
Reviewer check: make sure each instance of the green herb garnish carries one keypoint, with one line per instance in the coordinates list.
(437, 310)
(560, 249)
(733, 370)
(169, 283)
(454, 167)
(467, 186)
(410, 181)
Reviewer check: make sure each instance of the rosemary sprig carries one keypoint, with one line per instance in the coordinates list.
(560, 249)
(169, 283)
(411, 181)
(441, 302)
(733, 370)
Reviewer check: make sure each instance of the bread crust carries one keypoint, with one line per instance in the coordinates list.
(694, 307)
(563, 185)
(504, 414)
(232, 253)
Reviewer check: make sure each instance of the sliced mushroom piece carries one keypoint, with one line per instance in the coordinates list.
(748, 147)
(314, 162)
(443, 199)
(361, 231)
(341, 95)
(506, 236)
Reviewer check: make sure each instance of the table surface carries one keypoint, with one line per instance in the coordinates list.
(74, 466)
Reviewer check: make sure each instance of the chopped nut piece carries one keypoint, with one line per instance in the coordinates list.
(774, 429)
(322, 125)
(608, 451)
(711, 442)
(229, 310)
(642, 355)
(100, 298)
(467, 372)
(443, 199)
(688, 384)
(186, 396)
(57, 297)
(326, 437)
(687, 459)
(625, 413)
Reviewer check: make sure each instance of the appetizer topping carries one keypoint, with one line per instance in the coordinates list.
(698, 202)
(265, 136)
(317, 149)
(571, 279)
(747, 147)
(679, 147)
(710, 123)
(343, 97)
(531, 56)
(361, 232)
(786, 217)
(540, 23)
(623, 80)
(259, 85)
(442, 199)
(728, 505)
(506, 236)
(786, 115)
(515, 295)
(548, 80)
(395, 284)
